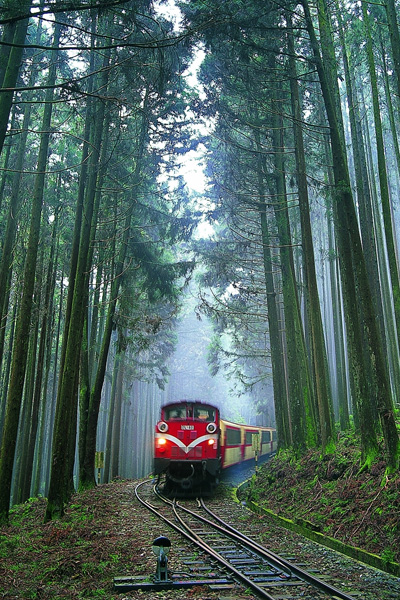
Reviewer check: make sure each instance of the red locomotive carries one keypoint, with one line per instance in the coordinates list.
(193, 445)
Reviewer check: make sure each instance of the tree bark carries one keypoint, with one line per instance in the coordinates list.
(67, 398)
(12, 69)
(318, 350)
(20, 349)
(361, 328)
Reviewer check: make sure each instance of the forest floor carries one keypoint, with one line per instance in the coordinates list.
(329, 494)
(104, 532)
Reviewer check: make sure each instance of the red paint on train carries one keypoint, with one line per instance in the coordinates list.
(193, 445)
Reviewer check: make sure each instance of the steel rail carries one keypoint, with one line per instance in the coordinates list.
(193, 538)
(221, 526)
(226, 529)
(300, 573)
(273, 558)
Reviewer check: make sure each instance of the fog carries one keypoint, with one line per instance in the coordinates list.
(191, 379)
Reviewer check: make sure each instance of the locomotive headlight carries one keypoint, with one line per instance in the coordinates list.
(211, 442)
(162, 426)
(211, 427)
(161, 444)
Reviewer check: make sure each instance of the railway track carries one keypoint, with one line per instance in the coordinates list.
(233, 554)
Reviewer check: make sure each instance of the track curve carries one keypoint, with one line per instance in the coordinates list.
(264, 572)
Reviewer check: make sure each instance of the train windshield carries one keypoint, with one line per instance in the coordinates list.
(200, 412)
(177, 411)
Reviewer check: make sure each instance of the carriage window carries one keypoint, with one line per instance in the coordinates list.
(249, 438)
(266, 437)
(232, 437)
(204, 413)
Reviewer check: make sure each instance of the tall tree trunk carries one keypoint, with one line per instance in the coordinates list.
(20, 349)
(301, 395)
(87, 468)
(394, 39)
(111, 414)
(47, 421)
(12, 69)
(355, 285)
(45, 401)
(93, 348)
(383, 180)
(67, 398)
(19, 493)
(7, 367)
(281, 400)
(12, 215)
(389, 103)
(86, 367)
(116, 428)
(318, 350)
(89, 121)
(34, 415)
(370, 222)
(5, 178)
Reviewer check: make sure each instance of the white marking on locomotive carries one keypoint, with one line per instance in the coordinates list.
(192, 444)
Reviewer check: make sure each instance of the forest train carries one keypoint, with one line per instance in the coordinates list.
(193, 445)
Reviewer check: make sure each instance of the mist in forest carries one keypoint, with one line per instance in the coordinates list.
(191, 379)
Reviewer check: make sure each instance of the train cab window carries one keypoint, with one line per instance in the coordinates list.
(205, 413)
(175, 412)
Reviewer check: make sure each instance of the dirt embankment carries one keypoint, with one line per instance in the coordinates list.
(329, 494)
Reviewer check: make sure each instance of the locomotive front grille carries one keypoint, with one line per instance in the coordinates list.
(177, 452)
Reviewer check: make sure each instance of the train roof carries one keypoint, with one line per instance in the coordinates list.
(189, 402)
(247, 426)
(229, 423)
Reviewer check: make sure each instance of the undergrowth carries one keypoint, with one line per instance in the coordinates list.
(330, 494)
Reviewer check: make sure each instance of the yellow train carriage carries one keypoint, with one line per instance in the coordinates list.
(231, 443)
(239, 442)
(268, 440)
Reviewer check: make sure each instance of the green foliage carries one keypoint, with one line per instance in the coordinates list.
(8, 544)
(28, 508)
(80, 514)
(388, 555)
(329, 493)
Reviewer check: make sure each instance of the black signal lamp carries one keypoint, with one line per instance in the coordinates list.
(161, 546)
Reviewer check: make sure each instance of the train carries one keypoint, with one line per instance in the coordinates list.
(193, 445)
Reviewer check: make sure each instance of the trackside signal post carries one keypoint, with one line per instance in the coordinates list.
(162, 580)
(255, 444)
(161, 548)
(99, 464)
